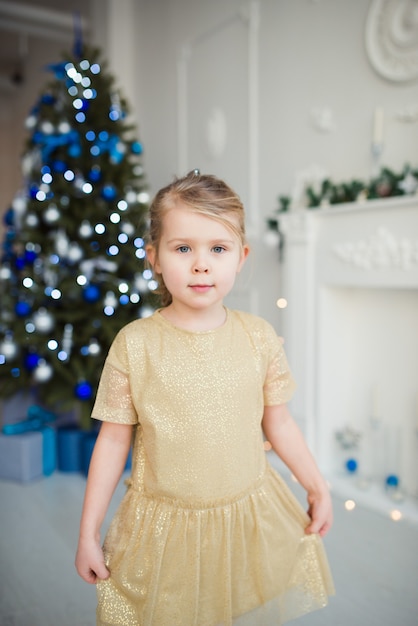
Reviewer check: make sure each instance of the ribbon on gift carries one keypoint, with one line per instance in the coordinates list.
(37, 418)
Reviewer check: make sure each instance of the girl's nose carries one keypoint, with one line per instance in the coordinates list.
(200, 267)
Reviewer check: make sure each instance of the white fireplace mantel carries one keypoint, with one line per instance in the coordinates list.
(350, 276)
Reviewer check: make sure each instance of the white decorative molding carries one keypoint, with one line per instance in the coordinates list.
(381, 251)
(38, 21)
(408, 114)
(323, 119)
(216, 132)
(392, 38)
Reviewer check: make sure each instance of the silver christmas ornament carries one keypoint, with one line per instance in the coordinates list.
(51, 214)
(42, 372)
(8, 348)
(43, 320)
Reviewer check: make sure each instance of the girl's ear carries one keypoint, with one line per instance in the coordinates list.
(245, 252)
(151, 255)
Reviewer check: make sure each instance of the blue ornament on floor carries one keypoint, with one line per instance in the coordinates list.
(392, 481)
(91, 293)
(351, 465)
(83, 390)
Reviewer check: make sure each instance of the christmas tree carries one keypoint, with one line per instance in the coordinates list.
(73, 268)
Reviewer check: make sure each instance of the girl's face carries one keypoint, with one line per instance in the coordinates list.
(198, 258)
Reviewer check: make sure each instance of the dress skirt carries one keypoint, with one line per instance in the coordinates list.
(243, 561)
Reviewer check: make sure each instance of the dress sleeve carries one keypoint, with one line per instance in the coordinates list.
(113, 399)
(279, 384)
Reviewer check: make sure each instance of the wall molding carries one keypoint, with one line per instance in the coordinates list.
(217, 137)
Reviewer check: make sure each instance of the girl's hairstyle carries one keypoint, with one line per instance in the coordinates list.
(204, 194)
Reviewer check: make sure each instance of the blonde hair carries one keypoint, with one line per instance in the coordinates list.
(204, 194)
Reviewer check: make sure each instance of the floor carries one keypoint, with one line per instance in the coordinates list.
(374, 561)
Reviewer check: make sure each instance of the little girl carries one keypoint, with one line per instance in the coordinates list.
(207, 533)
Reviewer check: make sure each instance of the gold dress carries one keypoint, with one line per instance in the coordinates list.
(207, 534)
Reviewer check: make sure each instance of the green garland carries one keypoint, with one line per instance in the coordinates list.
(387, 184)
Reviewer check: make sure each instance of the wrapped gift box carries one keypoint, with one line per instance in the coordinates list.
(21, 456)
(29, 454)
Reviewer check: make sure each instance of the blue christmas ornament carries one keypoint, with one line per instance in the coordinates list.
(49, 142)
(351, 465)
(47, 98)
(20, 263)
(59, 166)
(33, 190)
(95, 174)
(91, 293)
(136, 147)
(8, 218)
(83, 390)
(392, 481)
(74, 150)
(30, 256)
(22, 309)
(31, 361)
(109, 192)
(58, 69)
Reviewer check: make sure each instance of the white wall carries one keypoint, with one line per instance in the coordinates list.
(311, 55)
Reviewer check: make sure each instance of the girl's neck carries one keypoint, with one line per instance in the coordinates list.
(195, 320)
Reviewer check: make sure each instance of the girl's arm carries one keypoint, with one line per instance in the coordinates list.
(106, 467)
(289, 444)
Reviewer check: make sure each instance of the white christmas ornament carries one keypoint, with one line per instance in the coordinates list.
(47, 127)
(5, 273)
(61, 243)
(43, 320)
(94, 347)
(43, 372)
(32, 220)
(64, 127)
(110, 299)
(85, 229)
(8, 348)
(75, 253)
(127, 228)
(52, 214)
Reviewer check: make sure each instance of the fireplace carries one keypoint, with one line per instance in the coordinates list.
(350, 276)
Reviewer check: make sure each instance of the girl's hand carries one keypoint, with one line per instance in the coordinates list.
(90, 563)
(320, 512)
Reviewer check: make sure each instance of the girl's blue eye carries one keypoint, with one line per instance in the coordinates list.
(218, 249)
(183, 248)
